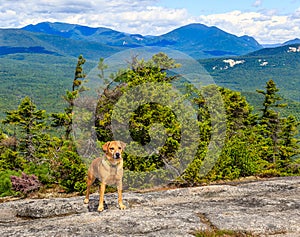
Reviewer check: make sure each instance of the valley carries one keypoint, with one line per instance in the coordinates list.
(39, 60)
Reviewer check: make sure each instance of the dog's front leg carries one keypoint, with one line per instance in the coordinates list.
(90, 181)
(120, 199)
(101, 197)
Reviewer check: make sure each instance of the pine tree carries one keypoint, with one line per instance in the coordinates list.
(143, 118)
(65, 119)
(31, 124)
(238, 111)
(79, 74)
(101, 67)
(281, 131)
(289, 144)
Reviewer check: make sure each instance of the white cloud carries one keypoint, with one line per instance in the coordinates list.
(263, 26)
(257, 3)
(142, 16)
(146, 17)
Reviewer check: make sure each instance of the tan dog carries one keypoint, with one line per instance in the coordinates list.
(109, 170)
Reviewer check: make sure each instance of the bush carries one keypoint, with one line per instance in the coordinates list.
(25, 184)
(11, 160)
(270, 173)
(5, 183)
(294, 168)
(72, 172)
(42, 171)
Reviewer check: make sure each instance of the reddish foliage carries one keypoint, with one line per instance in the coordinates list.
(25, 183)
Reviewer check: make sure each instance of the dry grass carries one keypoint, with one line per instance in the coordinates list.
(223, 233)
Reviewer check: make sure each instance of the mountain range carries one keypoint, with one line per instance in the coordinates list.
(39, 60)
(197, 40)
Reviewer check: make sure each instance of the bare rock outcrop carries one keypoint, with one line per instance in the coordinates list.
(263, 208)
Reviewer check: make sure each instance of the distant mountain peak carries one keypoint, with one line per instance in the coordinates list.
(194, 26)
(294, 41)
(196, 39)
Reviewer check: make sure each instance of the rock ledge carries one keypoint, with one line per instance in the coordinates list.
(264, 208)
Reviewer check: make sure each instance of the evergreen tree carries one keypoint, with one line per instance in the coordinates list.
(289, 144)
(79, 74)
(65, 119)
(239, 112)
(240, 154)
(31, 126)
(270, 119)
(145, 116)
(9, 155)
(102, 67)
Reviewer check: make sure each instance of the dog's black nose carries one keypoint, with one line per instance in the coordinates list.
(117, 155)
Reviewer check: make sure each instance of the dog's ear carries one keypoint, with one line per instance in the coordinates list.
(105, 146)
(123, 145)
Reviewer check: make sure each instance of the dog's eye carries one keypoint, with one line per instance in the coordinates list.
(120, 148)
(111, 148)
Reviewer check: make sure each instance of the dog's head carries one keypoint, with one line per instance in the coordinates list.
(114, 149)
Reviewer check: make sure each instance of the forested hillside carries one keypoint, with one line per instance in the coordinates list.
(45, 77)
(38, 151)
(250, 72)
(42, 56)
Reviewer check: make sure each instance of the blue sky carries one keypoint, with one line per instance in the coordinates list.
(198, 7)
(268, 21)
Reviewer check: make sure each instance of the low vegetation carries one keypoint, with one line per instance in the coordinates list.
(34, 142)
(223, 233)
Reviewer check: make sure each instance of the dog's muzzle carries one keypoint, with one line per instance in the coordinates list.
(117, 155)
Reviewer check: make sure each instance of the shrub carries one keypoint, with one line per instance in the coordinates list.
(42, 171)
(10, 160)
(72, 172)
(25, 184)
(223, 233)
(5, 183)
(270, 173)
(294, 168)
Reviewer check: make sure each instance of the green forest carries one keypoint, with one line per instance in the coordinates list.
(38, 151)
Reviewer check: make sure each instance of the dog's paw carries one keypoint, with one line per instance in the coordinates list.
(86, 201)
(122, 206)
(100, 208)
